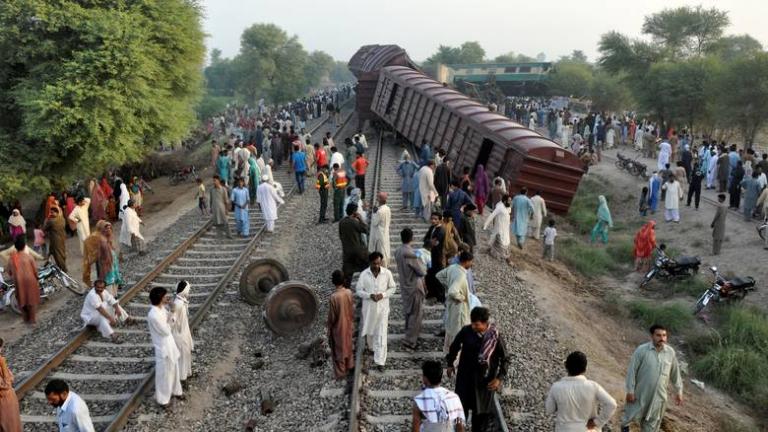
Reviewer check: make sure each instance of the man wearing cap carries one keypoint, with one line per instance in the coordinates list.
(268, 199)
(379, 239)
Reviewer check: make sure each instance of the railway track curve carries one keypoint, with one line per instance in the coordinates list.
(113, 379)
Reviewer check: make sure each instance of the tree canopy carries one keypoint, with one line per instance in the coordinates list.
(468, 52)
(87, 85)
(271, 64)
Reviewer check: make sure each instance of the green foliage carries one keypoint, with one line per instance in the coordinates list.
(740, 94)
(571, 78)
(734, 358)
(210, 105)
(730, 48)
(340, 73)
(511, 57)
(588, 260)
(674, 316)
(87, 85)
(468, 52)
(686, 30)
(692, 287)
(271, 65)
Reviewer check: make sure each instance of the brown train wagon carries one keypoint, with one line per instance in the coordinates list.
(365, 65)
(422, 109)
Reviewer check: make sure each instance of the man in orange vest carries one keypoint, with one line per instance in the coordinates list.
(322, 185)
(339, 183)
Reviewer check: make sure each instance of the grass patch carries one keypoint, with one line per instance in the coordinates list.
(583, 211)
(673, 316)
(734, 358)
(692, 287)
(597, 260)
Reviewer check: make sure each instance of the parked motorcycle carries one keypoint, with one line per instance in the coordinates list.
(50, 278)
(723, 290)
(668, 269)
(183, 174)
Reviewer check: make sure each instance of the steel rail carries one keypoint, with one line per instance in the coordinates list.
(31, 381)
(357, 379)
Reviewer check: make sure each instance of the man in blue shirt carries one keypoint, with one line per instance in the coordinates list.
(299, 162)
(240, 198)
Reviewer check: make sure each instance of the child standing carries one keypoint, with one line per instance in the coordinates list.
(201, 204)
(644, 201)
(39, 244)
(550, 232)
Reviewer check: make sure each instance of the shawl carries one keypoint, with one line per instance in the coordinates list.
(105, 256)
(5, 375)
(17, 219)
(105, 187)
(482, 186)
(490, 338)
(645, 240)
(603, 213)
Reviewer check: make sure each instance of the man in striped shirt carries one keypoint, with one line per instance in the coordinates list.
(436, 409)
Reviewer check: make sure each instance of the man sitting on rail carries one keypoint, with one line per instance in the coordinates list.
(101, 310)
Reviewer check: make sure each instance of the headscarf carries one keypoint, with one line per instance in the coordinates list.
(105, 187)
(645, 240)
(184, 293)
(482, 186)
(17, 219)
(603, 213)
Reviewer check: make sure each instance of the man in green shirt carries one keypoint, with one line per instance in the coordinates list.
(652, 367)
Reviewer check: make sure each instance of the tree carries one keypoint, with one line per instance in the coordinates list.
(511, 57)
(319, 65)
(579, 56)
(87, 85)
(730, 48)
(740, 90)
(340, 73)
(609, 92)
(686, 30)
(468, 52)
(220, 75)
(540, 57)
(570, 79)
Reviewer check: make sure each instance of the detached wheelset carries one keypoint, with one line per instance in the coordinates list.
(289, 305)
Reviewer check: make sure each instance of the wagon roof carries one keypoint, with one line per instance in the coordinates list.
(491, 124)
(370, 58)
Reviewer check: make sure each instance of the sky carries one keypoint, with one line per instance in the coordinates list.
(554, 27)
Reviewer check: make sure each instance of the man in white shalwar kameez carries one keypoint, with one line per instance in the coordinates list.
(672, 199)
(712, 170)
(539, 213)
(130, 234)
(180, 329)
(375, 286)
(379, 235)
(167, 380)
(427, 189)
(501, 218)
(79, 216)
(665, 151)
(268, 199)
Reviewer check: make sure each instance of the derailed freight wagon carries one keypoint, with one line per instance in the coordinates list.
(419, 107)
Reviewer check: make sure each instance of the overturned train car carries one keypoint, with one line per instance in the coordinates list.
(420, 108)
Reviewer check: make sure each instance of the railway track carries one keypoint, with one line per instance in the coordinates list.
(382, 401)
(112, 379)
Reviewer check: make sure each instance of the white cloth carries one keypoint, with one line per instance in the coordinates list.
(73, 415)
(337, 158)
(79, 216)
(539, 213)
(124, 197)
(665, 151)
(427, 189)
(131, 226)
(167, 380)
(574, 400)
(439, 405)
(549, 235)
(503, 184)
(379, 238)
(181, 333)
(673, 196)
(501, 218)
(610, 138)
(268, 199)
(376, 313)
(711, 171)
(90, 312)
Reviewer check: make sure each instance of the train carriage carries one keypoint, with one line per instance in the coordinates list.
(419, 107)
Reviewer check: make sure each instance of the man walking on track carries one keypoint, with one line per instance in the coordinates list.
(379, 240)
(219, 201)
(341, 314)
(241, 198)
(360, 165)
(652, 367)
(375, 286)
(411, 271)
(268, 199)
(322, 184)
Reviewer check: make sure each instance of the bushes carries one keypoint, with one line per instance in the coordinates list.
(735, 358)
(673, 316)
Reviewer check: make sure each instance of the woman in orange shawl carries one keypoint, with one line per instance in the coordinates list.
(98, 201)
(23, 270)
(645, 243)
(10, 418)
